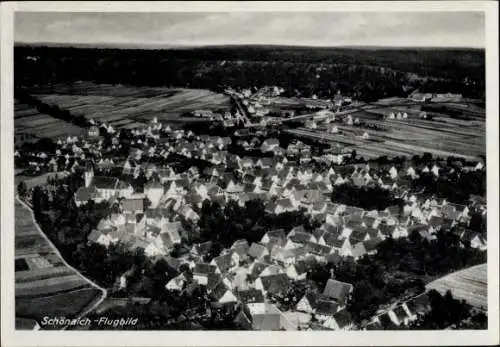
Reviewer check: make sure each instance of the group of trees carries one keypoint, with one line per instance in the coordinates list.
(225, 225)
(456, 187)
(400, 268)
(445, 312)
(366, 197)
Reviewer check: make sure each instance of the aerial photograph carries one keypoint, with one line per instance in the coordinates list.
(274, 171)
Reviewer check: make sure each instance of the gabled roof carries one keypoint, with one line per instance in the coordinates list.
(332, 239)
(274, 284)
(358, 234)
(435, 221)
(250, 296)
(223, 262)
(400, 313)
(85, 194)
(343, 318)
(372, 244)
(103, 182)
(317, 249)
(300, 237)
(133, 205)
(203, 269)
(94, 235)
(277, 233)
(337, 290)
(218, 291)
(202, 248)
(257, 250)
(257, 268)
(326, 307)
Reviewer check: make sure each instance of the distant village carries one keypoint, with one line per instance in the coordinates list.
(252, 274)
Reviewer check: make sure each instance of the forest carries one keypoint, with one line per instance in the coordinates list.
(365, 74)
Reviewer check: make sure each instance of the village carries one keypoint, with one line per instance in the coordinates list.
(179, 172)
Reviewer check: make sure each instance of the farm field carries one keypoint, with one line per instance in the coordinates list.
(444, 136)
(127, 107)
(29, 120)
(44, 285)
(469, 284)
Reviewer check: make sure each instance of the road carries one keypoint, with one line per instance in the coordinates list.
(56, 251)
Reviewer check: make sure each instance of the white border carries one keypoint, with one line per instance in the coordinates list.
(10, 337)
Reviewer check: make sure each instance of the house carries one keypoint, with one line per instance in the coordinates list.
(271, 269)
(154, 192)
(221, 294)
(273, 284)
(256, 268)
(176, 283)
(225, 262)
(201, 250)
(418, 305)
(325, 309)
(320, 252)
(340, 321)
(269, 145)
(258, 251)
(308, 302)
(201, 272)
(338, 291)
(133, 206)
(278, 234)
(241, 248)
(250, 296)
(358, 250)
(371, 245)
(99, 237)
(107, 187)
(298, 239)
(297, 271)
(83, 195)
(399, 315)
(264, 317)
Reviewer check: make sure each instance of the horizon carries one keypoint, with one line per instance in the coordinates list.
(126, 46)
(306, 29)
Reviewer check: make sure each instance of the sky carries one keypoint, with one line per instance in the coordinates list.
(397, 29)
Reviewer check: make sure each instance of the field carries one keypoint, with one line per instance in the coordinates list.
(469, 284)
(443, 136)
(127, 107)
(28, 120)
(45, 286)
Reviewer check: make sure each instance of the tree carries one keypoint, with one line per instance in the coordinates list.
(22, 189)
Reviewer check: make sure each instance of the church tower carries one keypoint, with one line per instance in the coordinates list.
(88, 175)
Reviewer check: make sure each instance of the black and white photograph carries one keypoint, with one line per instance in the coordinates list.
(216, 168)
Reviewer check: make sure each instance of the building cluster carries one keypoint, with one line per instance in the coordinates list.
(253, 275)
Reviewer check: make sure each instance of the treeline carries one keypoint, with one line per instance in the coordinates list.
(301, 71)
(445, 312)
(52, 110)
(456, 186)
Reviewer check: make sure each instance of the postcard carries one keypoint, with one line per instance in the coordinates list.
(249, 173)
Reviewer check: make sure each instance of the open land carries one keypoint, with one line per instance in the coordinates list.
(469, 284)
(45, 285)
